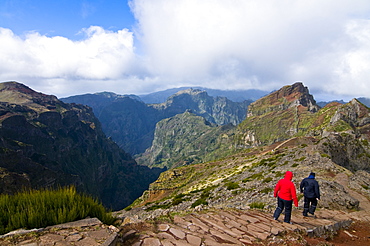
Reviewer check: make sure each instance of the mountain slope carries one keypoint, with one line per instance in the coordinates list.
(47, 143)
(185, 139)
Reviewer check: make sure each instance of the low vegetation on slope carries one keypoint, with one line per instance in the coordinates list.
(246, 180)
(41, 208)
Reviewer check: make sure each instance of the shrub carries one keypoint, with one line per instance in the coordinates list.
(41, 208)
(295, 164)
(267, 190)
(365, 187)
(254, 176)
(266, 180)
(278, 174)
(325, 156)
(300, 196)
(198, 202)
(258, 205)
(232, 185)
(300, 159)
(158, 206)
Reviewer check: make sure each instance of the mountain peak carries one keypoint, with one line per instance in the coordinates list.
(17, 93)
(190, 91)
(286, 97)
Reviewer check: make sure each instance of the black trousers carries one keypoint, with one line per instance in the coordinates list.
(309, 205)
(281, 205)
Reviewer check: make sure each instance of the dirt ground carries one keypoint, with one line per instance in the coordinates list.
(358, 234)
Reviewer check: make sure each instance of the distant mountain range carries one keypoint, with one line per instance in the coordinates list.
(233, 95)
(130, 122)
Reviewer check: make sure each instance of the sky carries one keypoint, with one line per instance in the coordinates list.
(72, 47)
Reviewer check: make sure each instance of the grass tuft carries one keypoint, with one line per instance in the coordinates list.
(41, 208)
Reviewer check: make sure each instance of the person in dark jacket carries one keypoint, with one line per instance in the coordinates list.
(286, 195)
(311, 191)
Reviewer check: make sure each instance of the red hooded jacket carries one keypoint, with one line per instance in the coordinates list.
(285, 189)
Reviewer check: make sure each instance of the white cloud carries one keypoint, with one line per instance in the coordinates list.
(264, 44)
(238, 44)
(102, 55)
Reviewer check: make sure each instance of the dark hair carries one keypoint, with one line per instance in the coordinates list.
(312, 174)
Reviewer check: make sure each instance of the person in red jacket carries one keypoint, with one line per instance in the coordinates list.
(286, 195)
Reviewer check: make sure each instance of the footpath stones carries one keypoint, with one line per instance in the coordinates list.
(239, 227)
(207, 228)
(87, 232)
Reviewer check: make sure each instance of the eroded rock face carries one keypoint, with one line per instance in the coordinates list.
(334, 196)
(360, 181)
(48, 143)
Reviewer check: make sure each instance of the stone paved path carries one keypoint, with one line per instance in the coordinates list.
(87, 232)
(236, 227)
(215, 227)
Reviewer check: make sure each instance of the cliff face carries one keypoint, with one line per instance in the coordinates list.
(185, 139)
(131, 123)
(47, 143)
(217, 110)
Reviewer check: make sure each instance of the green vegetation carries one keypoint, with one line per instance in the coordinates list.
(158, 206)
(232, 185)
(266, 180)
(300, 196)
(258, 205)
(203, 197)
(41, 208)
(325, 155)
(200, 201)
(267, 190)
(279, 174)
(300, 159)
(365, 187)
(253, 177)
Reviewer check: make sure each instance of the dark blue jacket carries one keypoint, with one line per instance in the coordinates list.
(310, 187)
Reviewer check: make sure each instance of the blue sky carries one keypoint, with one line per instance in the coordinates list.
(70, 47)
(64, 17)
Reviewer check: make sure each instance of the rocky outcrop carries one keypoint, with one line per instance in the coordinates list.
(287, 97)
(47, 143)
